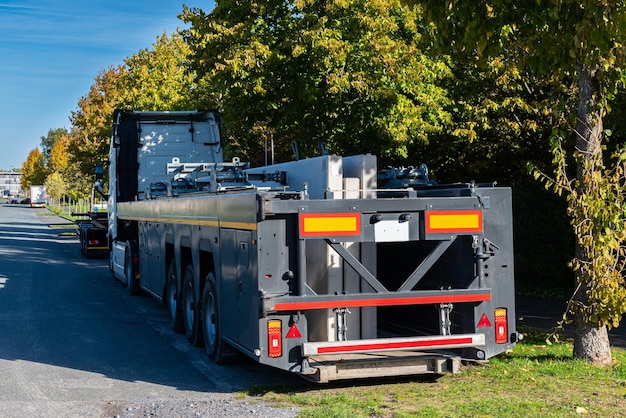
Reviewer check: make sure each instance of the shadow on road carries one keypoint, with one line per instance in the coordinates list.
(59, 309)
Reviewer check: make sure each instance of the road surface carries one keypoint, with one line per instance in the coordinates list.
(73, 343)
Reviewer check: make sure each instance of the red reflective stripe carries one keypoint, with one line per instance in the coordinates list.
(418, 300)
(395, 345)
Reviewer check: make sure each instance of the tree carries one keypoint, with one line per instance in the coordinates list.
(91, 124)
(152, 79)
(157, 78)
(48, 141)
(58, 165)
(349, 74)
(58, 159)
(563, 38)
(33, 169)
(55, 185)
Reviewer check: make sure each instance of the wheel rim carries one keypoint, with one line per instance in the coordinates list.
(210, 326)
(188, 307)
(171, 295)
(129, 271)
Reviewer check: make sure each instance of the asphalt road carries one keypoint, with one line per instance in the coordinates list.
(72, 342)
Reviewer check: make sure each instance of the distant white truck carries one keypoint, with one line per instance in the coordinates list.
(37, 196)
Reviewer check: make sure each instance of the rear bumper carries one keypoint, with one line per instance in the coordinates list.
(438, 342)
(324, 369)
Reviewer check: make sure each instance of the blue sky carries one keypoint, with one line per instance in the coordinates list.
(51, 51)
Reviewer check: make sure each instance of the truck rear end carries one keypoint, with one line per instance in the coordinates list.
(360, 282)
(38, 196)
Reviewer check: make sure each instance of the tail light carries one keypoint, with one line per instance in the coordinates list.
(501, 326)
(274, 338)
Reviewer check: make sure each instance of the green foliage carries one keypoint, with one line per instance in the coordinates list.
(597, 217)
(49, 141)
(55, 185)
(501, 120)
(565, 38)
(351, 74)
(152, 79)
(92, 128)
(157, 78)
(547, 36)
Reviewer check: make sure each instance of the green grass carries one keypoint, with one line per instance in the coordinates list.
(59, 211)
(534, 379)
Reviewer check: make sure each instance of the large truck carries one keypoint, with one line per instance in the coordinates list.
(326, 267)
(38, 196)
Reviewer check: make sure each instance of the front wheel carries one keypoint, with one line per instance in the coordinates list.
(131, 254)
(191, 310)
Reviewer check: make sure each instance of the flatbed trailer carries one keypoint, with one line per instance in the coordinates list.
(307, 266)
(91, 229)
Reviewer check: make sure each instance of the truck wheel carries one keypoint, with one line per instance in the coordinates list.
(173, 299)
(110, 260)
(190, 305)
(83, 240)
(129, 268)
(210, 322)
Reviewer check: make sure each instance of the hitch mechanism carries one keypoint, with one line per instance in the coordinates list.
(444, 318)
(342, 323)
(482, 251)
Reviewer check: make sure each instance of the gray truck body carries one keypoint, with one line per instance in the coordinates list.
(306, 266)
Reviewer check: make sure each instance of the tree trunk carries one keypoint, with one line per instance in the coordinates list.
(590, 341)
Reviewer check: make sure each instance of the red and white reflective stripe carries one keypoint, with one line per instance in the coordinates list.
(391, 301)
(393, 344)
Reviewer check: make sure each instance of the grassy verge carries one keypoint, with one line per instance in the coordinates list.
(60, 211)
(534, 379)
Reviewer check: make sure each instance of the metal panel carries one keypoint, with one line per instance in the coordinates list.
(228, 292)
(328, 174)
(248, 297)
(237, 210)
(498, 272)
(161, 142)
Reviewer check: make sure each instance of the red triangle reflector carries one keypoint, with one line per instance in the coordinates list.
(484, 322)
(294, 332)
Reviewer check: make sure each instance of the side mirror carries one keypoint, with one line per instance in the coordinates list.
(99, 171)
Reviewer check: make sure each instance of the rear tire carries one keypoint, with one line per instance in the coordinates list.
(191, 310)
(213, 344)
(110, 259)
(173, 299)
(131, 252)
(86, 238)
